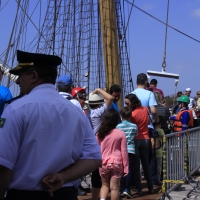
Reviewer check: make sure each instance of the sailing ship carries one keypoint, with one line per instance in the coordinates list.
(89, 36)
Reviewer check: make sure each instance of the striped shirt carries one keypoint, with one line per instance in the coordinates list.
(163, 111)
(130, 130)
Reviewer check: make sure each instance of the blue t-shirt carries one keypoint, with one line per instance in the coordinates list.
(5, 95)
(114, 106)
(147, 99)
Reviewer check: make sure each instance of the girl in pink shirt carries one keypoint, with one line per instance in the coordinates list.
(114, 155)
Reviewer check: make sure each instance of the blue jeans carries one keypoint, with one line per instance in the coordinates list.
(126, 181)
(153, 165)
(142, 148)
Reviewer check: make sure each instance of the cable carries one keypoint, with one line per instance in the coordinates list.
(162, 22)
(164, 57)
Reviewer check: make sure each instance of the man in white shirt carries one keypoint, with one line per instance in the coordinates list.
(65, 87)
(192, 101)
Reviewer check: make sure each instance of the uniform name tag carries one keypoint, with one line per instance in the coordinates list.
(2, 122)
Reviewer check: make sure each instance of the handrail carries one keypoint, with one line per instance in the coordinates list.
(181, 159)
(181, 132)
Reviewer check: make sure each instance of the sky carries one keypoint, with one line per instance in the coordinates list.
(146, 37)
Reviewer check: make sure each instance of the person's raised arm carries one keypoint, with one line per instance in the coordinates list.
(109, 98)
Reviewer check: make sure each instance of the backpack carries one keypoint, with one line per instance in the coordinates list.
(154, 138)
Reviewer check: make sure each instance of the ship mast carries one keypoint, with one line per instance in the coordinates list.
(110, 44)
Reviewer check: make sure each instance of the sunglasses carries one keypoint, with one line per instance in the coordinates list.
(198, 94)
(82, 96)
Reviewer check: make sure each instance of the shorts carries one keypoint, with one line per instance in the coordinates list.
(111, 170)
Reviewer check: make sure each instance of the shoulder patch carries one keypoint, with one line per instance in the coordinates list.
(2, 122)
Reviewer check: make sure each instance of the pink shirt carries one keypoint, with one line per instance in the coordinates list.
(114, 149)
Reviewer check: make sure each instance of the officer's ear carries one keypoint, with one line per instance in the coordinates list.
(34, 76)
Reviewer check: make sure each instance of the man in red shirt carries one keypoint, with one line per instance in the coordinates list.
(153, 86)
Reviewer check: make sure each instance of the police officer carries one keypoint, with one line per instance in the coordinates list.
(42, 134)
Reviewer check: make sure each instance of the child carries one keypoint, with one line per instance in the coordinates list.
(95, 114)
(114, 155)
(130, 131)
(159, 152)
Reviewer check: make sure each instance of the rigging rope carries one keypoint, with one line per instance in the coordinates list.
(162, 22)
(3, 5)
(78, 39)
(124, 40)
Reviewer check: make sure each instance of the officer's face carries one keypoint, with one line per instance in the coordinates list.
(24, 82)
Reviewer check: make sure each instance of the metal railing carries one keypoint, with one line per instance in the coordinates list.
(181, 158)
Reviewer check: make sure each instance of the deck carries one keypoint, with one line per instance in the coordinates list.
(184, 192)
(144, 196)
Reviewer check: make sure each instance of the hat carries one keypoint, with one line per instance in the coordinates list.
(27, 60)
(95, 99)
(188, 89)
(78, 90)
(184, 99)
(64, 80)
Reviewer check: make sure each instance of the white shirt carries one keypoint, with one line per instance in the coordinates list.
(74, 101)
(192, 103)
(43, 133)
(95, 116)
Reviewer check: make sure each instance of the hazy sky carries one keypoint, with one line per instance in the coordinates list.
(146, 40)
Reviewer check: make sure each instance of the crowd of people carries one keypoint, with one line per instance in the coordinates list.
(50, 139)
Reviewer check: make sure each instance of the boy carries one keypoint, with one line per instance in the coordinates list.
(130, 131)
(159, 152)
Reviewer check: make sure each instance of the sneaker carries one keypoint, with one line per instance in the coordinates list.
(88, 190)
(151, 191)
(139, 193)
(127, 193)
(121, 194)
(81, 192)
(159, 183)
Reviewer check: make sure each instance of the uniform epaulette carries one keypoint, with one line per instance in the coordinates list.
(13, 99)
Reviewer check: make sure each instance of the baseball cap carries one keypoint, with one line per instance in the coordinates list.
(64, 80)
(188, 89)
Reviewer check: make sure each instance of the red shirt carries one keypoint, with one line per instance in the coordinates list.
(140, 117)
